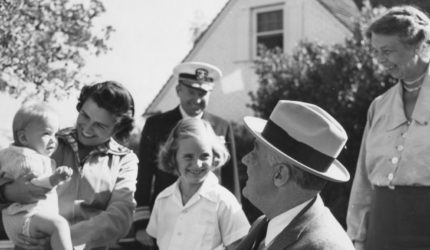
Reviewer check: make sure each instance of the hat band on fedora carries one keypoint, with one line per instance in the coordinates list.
(295, 149)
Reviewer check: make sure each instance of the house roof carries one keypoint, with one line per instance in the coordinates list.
(343, 10)
(196, 43)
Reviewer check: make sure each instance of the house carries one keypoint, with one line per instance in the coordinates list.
(230, 42)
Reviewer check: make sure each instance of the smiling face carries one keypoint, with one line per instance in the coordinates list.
(398, 59)
(194, 160)
(95, 125)
(40, 135)
(193, 101)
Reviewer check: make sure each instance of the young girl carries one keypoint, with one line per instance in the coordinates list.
(196, 212)
(34, 128)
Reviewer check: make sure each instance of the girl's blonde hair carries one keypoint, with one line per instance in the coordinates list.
(194, 128)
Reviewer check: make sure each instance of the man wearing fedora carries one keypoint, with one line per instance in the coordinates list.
(196, 80)
(294, 156)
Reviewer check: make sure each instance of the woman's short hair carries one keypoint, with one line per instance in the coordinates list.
(410, 23)
(114, 98)
(194, 128)
(29, 113)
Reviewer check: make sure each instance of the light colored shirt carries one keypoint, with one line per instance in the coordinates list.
(212, 217)
(394, 152)
(98, 201)
(14, 162)
(278, 223)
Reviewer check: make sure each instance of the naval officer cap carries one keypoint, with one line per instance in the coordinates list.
(197, 75)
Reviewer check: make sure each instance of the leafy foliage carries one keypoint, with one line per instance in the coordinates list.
(342, 79)
(43, 45)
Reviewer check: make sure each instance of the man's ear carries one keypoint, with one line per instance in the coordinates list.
(281, 174)
(22, 139)
(178, 88)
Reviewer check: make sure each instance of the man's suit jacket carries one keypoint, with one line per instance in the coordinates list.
(154, 134)
(313, 228)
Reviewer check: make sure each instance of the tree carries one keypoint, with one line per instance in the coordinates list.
(44, 43)
(342, 79)
(198, 27)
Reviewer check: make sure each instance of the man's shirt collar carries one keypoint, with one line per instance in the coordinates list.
(278, 223)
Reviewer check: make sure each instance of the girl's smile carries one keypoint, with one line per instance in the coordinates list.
(194, 159)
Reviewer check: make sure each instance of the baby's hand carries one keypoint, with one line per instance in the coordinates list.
(60, 175)
(63, 173)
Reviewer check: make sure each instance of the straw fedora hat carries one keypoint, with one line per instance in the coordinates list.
(306, 135)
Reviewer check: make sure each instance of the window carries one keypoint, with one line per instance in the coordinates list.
(269, 28)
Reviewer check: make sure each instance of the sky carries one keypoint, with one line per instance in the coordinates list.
(151, 37)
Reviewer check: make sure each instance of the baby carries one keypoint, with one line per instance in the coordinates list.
(34, 129)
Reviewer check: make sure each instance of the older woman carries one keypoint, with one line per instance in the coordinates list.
(389, 207)
(98, 200)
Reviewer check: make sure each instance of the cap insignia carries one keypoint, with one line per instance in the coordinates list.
(201, 74)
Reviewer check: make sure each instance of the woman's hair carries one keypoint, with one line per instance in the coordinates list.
(114, 98)
(191, 128)
(29, 113)
(410, 23)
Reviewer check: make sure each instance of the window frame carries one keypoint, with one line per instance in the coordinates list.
(255, 34)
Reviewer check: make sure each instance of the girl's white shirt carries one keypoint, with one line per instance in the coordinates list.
(211, 218)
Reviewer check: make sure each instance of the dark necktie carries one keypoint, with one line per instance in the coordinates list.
(259, 240)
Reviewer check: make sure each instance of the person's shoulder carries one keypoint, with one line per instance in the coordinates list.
(11, 152)
(215, 118)
(167, 192)
(164, 115)
(384, 103)
(156, 117)
(220, 125)
(116, 148)
(161, 118)
(319, 243)
(387, 96)
(325, 239)
(22, 157)
(222, 195)
(9, 148)
(325, 232)
(20, 151)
